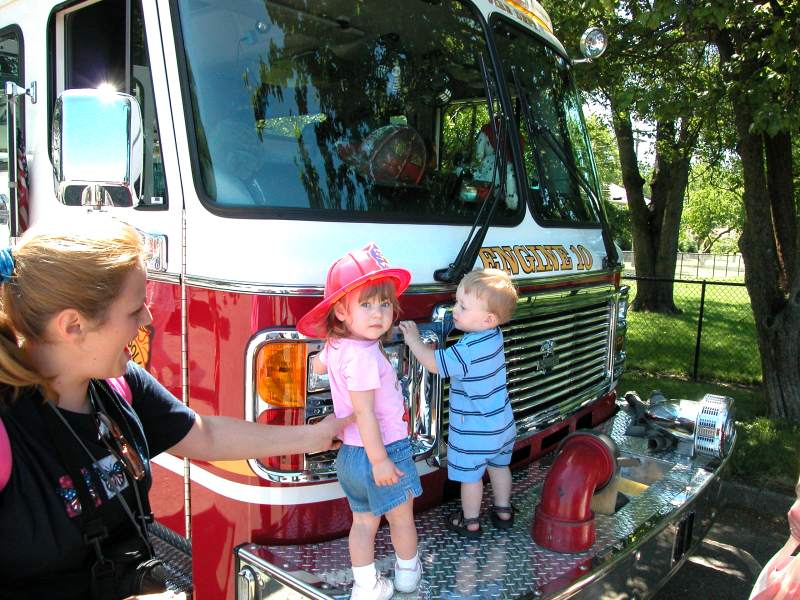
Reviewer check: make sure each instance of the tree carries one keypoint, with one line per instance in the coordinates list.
(606, 158)
(652, 72)
(604, 148)
(619, 221)
(714, 206)
(757, 44)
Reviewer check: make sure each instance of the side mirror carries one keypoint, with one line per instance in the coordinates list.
(97, 148)
(594, 42)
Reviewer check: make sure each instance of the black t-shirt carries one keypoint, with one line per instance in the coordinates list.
(42, 553)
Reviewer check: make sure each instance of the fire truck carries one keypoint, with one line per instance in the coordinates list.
(253, 142)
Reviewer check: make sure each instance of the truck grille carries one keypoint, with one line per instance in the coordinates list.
(557, 355)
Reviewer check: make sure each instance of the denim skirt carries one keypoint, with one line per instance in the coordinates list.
(355, 476)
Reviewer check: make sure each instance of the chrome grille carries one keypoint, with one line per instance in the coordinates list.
(575, 327)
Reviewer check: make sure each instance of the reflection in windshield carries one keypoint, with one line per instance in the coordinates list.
(341, 105)
(552, 106)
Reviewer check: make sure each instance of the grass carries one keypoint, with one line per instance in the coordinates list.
(767, 452)
(666, 344)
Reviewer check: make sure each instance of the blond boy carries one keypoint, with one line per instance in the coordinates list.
(482, 429)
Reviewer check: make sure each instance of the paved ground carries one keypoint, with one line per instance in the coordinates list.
(727, 564)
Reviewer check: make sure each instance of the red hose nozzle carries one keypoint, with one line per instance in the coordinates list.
(564, 520)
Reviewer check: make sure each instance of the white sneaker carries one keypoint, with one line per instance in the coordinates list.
(407, 580)
(382, 590)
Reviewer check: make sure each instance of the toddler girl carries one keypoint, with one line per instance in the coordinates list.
(374, 465)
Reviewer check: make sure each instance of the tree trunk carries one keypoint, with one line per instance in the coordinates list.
(779, 345)
(769, 246)
(774, 291)
(654, 228)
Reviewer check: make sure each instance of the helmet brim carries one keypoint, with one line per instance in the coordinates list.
(314, 323)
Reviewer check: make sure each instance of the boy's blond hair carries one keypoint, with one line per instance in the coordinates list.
(495, 288)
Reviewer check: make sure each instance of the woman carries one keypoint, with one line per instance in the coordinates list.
(780, 577)
(74, 450)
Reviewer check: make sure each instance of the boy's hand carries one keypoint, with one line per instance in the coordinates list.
(414, 342)
(385, 472)
(410, 332)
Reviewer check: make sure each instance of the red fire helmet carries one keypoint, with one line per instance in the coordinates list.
(351, 271)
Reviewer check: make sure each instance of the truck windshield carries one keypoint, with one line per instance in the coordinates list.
(346, 109)
(548, 111)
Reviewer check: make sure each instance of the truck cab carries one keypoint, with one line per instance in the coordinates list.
(275, 137)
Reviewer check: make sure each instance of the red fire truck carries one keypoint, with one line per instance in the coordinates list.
(252, 143)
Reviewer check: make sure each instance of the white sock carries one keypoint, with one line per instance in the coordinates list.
(410, 564)
(365, 576)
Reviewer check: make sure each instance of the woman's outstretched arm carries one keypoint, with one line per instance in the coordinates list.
(227, 438)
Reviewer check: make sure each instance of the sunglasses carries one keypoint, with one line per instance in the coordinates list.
(118, 446)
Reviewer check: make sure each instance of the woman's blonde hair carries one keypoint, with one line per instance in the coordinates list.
(79, 268)
(382, 288)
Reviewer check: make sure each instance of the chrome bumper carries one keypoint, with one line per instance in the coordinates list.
(637, 549)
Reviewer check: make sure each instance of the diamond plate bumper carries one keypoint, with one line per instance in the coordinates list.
(635, 552)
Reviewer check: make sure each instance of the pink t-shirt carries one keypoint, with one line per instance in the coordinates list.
(359, 365)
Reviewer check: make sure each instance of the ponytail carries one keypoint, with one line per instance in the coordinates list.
(83, 269)
(15, 373)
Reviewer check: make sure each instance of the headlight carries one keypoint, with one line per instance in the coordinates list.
(316, 382)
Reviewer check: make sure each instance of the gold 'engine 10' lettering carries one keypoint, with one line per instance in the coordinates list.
(536, 258)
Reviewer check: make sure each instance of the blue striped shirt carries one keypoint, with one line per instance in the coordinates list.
(482, 429)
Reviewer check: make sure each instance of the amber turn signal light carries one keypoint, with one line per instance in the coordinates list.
(281, 374)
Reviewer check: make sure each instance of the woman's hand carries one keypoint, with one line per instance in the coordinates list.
(385, 472)
(325, 433)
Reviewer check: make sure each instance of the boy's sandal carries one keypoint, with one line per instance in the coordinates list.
(502, 510)
(457, 522)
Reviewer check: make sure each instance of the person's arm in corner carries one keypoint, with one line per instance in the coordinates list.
(384, 470)
(423, 352)
(227, 438)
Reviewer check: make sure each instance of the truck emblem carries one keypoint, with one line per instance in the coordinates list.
(549, 358)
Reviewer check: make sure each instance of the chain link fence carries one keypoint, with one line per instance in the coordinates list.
(695, 265)
(713, 337)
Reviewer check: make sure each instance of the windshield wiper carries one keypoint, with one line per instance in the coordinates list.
(541, 131)
(469, 250)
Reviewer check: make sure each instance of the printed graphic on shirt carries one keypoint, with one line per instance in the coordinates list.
(87, 479)
(69, 495)
(111, 474)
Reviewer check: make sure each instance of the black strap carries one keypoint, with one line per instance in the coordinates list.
(91, 523)
(110, 401)
(72, 455)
